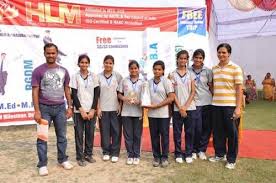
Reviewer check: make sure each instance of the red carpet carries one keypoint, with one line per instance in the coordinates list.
(254, 144)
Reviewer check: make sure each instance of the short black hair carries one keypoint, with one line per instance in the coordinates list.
(225, 45)
(49, 45)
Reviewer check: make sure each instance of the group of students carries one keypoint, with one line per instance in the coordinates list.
(200, 99)
(186, 95)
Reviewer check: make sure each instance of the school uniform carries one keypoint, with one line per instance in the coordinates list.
(83, 96)
(203, 101)
(110, 124)
(159, 121)
(182, 88)
(224, 101)
(132, 117)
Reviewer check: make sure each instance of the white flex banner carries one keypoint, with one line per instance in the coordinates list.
(143, 34)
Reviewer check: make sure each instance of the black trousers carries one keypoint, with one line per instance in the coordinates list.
(159, 133)
(111, 133)
(207, 127)
(88, 127)
(225, 130)
(189, 129)
(132, 130)
(198, 128)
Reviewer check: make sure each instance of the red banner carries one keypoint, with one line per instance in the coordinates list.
(67, 15)
(17, 116)
(209, 11)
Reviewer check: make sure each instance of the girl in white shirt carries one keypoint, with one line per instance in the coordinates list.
(108, 111)
(184, 108)
(161, 94)
(85, 93)
(130, 93)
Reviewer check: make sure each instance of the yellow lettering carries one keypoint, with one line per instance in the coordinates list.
(70, 15)
(30, 12)
(199, 15)
(188, 14)
(62, 12)
(195, 15)
(49, 18)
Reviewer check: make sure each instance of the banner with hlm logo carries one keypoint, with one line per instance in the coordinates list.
(140, 33)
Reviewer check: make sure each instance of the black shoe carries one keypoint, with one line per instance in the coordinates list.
(156, 162)
(90, 159)
(81, 163)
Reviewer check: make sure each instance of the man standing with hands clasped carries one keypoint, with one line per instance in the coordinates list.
(49, 84)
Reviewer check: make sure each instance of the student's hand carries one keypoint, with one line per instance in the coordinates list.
(119, 110)
(69, 113)
(171, 77)
(83, 114)
(136, 102)
(127, 100)
(99, 113)
(237, 113)
(183, 112)
(91, 114)
(37, 116)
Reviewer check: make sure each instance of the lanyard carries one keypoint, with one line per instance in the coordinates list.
(155, 86)
(85, 80)
(134, 84)
(183, 78)
(197, 75)
(108, 79)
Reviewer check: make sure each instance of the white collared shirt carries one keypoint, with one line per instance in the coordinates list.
(85, 89)
(108, 97)
(126, 86)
